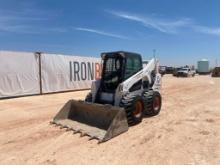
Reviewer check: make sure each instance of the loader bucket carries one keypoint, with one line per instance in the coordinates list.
(98, 121)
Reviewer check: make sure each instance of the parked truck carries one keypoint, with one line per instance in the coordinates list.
(186, 72)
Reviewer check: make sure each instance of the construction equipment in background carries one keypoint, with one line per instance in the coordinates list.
(216, 72)
(169, 70)
(123, 95)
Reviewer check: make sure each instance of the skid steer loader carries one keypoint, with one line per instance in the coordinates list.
(124, 94)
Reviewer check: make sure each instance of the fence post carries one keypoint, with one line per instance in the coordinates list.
(40, 78)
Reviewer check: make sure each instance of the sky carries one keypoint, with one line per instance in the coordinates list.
(181, 32)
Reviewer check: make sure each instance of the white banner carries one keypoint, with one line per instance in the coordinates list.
(64, 72)
(19, 74)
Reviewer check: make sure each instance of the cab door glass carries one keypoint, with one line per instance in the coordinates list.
(133, 65)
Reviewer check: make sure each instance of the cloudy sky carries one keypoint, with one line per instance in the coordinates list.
(182, 32)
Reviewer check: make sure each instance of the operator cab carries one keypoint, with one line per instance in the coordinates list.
(117, 67)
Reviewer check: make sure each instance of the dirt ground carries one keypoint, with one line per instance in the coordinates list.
(187, 131)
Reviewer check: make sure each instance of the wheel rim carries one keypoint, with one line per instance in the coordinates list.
(156, 103)
(138, 109)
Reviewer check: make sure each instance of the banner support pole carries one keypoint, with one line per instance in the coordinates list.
(40, 74)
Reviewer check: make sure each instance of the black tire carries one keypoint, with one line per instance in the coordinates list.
(148, 100)
(133, 104)
(152, 102)
(88, 97)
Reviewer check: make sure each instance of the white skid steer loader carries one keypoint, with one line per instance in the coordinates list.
(124, 94)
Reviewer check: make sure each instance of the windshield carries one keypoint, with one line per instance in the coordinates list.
(133, 65)
(112, 73)
(184, 69)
